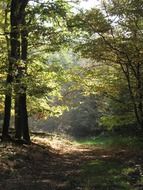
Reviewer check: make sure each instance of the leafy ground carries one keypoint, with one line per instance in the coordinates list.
(54, 163)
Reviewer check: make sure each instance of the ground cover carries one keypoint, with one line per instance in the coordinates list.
(53, 162)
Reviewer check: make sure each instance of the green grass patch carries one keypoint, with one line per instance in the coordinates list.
(113, 141)
(113, 172)
(104, 175)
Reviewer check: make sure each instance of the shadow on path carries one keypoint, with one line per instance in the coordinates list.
(69, 167)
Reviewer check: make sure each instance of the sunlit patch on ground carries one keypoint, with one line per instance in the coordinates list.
(55, 163)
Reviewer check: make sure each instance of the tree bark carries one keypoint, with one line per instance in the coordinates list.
(21, 116)
(13, 55)
(17, 72)
(7, 110)
(8, 94)
(24, 114)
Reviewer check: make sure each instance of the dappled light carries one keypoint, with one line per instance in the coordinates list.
(48, 164)
(71, 95)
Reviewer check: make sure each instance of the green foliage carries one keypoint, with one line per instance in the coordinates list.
(105, 88)
(48, 25)
(90, 21)
(112, 121)
(120, 46)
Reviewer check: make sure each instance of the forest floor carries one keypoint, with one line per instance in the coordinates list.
(54, 163)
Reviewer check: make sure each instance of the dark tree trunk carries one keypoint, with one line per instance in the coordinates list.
(24, 114)
(18, 129)
(15, 52)
(7, 104)
(17, 72)
(21, 116)
(12, 57)
(7, 115)
(24, 118)
(8, 93)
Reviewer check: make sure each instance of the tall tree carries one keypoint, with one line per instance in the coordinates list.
(8, 91)
(17, 70)
(114, 36)
(21, 117)
(49, 34)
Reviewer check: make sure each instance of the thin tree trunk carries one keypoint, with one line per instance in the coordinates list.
(127, 75)
(140, 95)
(7, 110)
(8, 95)
(7, 115)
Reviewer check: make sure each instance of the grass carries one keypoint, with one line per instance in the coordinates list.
(104, 175)
(113, 141)
(113, 172)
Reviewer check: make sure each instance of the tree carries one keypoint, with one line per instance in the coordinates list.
(21, 116)
(16, 71)
(47, 36)
(114, 36)
(8, 91)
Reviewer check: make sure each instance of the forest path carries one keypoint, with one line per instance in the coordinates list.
(58, 164)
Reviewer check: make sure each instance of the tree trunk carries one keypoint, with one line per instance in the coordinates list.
(24, 118)
(8, 94)
(17, 72)
(7, 115)
(21, 116)
(7, 104)
(13, 55)
(18, 130)
(24, 114)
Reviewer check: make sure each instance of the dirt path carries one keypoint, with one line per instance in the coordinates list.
(61, 165)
